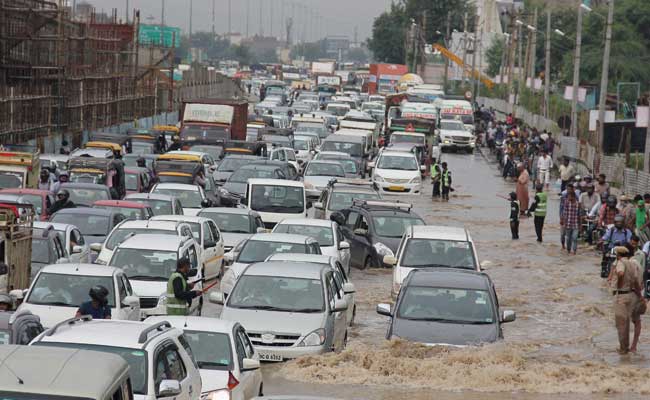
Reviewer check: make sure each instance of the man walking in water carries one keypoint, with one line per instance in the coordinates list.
(522, 186)
(626, 289)
(445, 182)
(539, 209)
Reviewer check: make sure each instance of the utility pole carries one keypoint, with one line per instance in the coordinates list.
(514, 38)
(446, 41)
(127, 11)
(464, 47)
(604, 77)
(162, 14)
(229, 18)
(477, 92)
(576, 75)
(261, 19)
(271, 18)
(533, 51)
(415, 47)
(547, 65)
(248, 15)
(213, 32)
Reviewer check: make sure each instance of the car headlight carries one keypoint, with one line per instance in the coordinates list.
(378, 178)
(446, 141)
(383, 250)
(417, 179)
(162, 300)
(315, 338)
(223, 394)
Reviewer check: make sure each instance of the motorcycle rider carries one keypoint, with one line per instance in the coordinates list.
(608, 213)
(618, 235)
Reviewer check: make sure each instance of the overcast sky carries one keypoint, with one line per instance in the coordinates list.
(339, 17)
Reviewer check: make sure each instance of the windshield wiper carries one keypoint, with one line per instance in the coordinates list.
(56, 303)
(306, 310)
(211, 364)
(428, 266)
(147, 278)
(263, 307)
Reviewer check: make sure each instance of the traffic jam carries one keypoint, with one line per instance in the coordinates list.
(187, 261)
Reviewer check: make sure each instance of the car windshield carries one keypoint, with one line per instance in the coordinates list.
(242, 175)
(407, 139)
(83, 177)
(87, 197)
(282, 141)
(309, 127)
(131, 182)
(324, 169)
(422, 253)
(214, 151)
(230, 164)
(146, 265)
(279, 199)
(278, 293)
(11, 180)
(35, 200)
(372, 107)
(121, 234)
(137, 360)
(159, 207)
(353, 149)
(395, 226)
(259, 250)
(397, 162)
(301, 144)
(446, 305)
(128, 212)
(41, 250)
(343, 200)
(211, 349)
(232, 223)
(142, 148)
(188, 198)
(451, 126)
(63, 290)
(323, 234)
(89, 225)
(339, 111)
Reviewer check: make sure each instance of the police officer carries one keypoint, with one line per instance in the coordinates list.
(179, 291)
(435, 177)
(445, 182)
(98, 306)
(539, 209)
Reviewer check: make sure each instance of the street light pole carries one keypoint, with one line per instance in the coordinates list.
(576, 75)
(547, 65)
(604, 78)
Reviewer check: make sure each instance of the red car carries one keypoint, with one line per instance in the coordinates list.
(40, 199)
(130, 209)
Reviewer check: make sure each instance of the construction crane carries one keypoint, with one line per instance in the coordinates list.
(457, 60)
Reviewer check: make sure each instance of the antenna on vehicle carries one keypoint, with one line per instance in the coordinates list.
(19, 379)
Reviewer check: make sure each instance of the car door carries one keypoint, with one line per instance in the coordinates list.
(125, 290)
(191, 252)
(338, 321)
(169, 365)
(361, 242)
(77, 239)
(344, 254)
(209, 255)
(348, 232)
(319, 212)
(341, 278)
(61, 254)
(248, 381)
(218, 238)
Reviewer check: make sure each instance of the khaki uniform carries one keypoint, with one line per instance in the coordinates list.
(639, 306)
(625, 300)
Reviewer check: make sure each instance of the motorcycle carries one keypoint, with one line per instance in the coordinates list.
(609, 257)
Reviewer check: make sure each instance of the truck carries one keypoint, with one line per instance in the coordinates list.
(20, 166)
(213, 120)
(319, 67)
(384, 77)
(16, 222)
(329, 80)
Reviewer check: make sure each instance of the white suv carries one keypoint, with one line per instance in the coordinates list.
(160, 359)
(431, 246)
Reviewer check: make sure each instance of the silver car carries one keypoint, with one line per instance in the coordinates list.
(289, 309)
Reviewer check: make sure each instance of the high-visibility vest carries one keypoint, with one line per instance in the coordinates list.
(445, 178)
(434, 170)
(540, 209)
(176, 306)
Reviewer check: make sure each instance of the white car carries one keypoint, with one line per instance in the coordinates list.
(454, 136)
(235, 224)
(285, 154)
(58, 290)
(207, 235)
(161, 366)
(149, 261)
(342, 279)
(318, 174)
(208, 162)
(397, 173)
(192, 197)
(74, 245)
(290, 309)
(326, 232)
(305, 148)
(228, 363)
(258, 248)
(276, 199)
(432, 246)
(128, 228)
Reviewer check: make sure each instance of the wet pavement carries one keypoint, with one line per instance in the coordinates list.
(563, 340)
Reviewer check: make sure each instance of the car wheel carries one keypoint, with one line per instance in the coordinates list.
(367, 264)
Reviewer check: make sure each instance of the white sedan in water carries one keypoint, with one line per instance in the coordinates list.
(397, 172)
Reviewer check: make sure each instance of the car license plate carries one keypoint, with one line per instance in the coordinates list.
(396, 188)
(270, 357)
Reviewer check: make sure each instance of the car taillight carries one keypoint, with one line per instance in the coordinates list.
(232, 382)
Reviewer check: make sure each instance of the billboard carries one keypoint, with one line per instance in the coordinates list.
(159, 35)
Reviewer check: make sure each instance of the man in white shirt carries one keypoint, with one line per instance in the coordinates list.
(567, 171)
(544, 165)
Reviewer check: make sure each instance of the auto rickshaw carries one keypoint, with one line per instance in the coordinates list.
(109, 172)
(147, 141)
(258, 148)
(177, 172)
(169, 131)
(119, 143)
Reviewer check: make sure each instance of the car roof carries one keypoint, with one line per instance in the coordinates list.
(87, 211)
(177, 186)
(119, 203)
(331, 162)
(398, 153)
(302, 270)
(343, 138)
(188, 152)
(152, 242)
(335, 153)
(80, 269)
(150, 223)
(310, 258)
(244, 156)
(39, 192)
(57, 371)
(439, 232)
(276, 182)
(180, 218)
(260, 166)
(307, 221)
(282, 237)
(448, 278)
(229, 210)
(193, 323)
(150, 196)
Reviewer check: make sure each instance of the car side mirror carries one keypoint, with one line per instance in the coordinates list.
(344, 246)
(508, 316)
(206, 203)
(338, 217)
(209, 244)
(169, 388)
(318, 205)
(216, 298)
(77, 249)
(97, 247)
(261, 230)
(228, 258)
(340, 305)
(384, 309)
(131, 301)
(249, 364)
(389, 260)
(361, 232)
(192, 273)
(309, 204)
(63, 260)
(348, 288)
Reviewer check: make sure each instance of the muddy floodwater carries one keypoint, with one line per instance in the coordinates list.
(562, 345)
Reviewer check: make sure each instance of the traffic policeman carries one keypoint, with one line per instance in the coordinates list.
(180, 292)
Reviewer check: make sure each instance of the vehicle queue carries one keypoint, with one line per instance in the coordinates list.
(272, 228)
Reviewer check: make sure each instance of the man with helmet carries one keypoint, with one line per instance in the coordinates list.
(607, 213)
(142, 163)
(98, 306)
(539, 209)
(45, 181)
(180, 292)
(62, 201)
(618, 235)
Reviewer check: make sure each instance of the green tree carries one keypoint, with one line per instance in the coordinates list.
(388, 35)
(494, 54)
(436, 15)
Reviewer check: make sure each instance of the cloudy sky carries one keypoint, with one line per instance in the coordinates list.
(339, 17)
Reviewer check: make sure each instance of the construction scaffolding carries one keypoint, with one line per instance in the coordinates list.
(60, 75)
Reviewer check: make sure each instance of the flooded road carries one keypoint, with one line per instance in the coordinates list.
(562, 342)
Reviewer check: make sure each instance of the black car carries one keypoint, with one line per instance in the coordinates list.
(47, 249)
(446, 306)
(230, 164)
(374, 229)
(237, 182)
